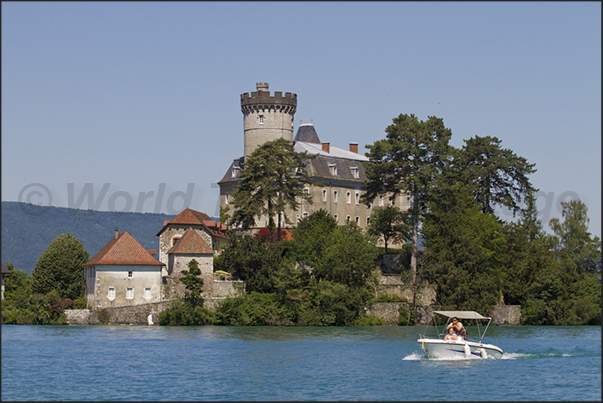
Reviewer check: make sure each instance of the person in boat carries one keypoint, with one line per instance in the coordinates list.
(451, 334)
(457, 327)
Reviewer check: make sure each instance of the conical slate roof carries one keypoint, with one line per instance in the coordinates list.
(307, 134)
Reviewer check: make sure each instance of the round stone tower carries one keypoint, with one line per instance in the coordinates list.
(266, 117)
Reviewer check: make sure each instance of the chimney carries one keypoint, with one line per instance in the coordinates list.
(326, 147)
(116, 232)
(354, 147)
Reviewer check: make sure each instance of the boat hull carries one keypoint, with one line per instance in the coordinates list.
(459, 349)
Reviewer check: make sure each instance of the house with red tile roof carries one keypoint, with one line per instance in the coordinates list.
(191, 246)
(190, 235)
(123, 273)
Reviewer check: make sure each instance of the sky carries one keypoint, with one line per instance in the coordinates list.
(135, 106)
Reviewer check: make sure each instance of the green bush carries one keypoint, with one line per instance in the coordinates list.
(369, 320)
(256, 309)
(407, 318)
(186, 314)
(104, 317)
(79, 303)
(387, 298)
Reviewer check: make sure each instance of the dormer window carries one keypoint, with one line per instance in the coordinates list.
(333, 169)
(355, 172)
(235, 172)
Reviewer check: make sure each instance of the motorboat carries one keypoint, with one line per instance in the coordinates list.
(459, 347)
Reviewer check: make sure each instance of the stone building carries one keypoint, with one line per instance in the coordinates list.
(337, 174)
(190, 235)
(123, 273)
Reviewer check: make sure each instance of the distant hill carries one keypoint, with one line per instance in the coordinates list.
(27, 230)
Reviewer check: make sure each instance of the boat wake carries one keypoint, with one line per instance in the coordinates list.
(505, 356)
(423, 357)
(413, 357)
(522, 356)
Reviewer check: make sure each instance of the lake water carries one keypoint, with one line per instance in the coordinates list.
(292, 363)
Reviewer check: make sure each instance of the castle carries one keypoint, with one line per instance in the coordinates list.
(337, 174)
(124, 273)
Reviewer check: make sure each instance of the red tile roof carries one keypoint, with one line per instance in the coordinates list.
(124, 250)
(192, 243)
(192, 217)
(189, 216)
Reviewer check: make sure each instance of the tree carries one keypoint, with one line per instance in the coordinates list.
(526, 255)
(193, 283)
(59, 268)
(465, 250)
(575, 247)
(567, 289)
(413, 153)
(495, 175)
(251, 260)
(224, 216)
(272, 179)
(388, 222)
(312, 236)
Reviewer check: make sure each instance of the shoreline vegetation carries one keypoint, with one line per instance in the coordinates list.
(325, 274)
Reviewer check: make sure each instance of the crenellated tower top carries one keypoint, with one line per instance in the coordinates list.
(261, 100)
(267, 117)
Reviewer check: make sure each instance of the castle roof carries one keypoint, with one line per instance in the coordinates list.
(334, 152)
(307, 134)
(349, 164)
(124, 250)
(5, 270)
(191, 243)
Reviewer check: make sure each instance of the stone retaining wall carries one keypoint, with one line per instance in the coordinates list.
(390, 313)
(506, 315)
(128, 315)
(392, 284)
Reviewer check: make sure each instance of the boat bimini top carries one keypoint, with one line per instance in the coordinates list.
(461, 314)
(466, 315)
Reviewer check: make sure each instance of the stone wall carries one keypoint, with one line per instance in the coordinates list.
(390, 313)
(228, 288)
(506, 315)
(122, 315)
(392, 284)
(128, 315)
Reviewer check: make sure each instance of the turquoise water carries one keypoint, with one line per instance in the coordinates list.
(292, 363)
